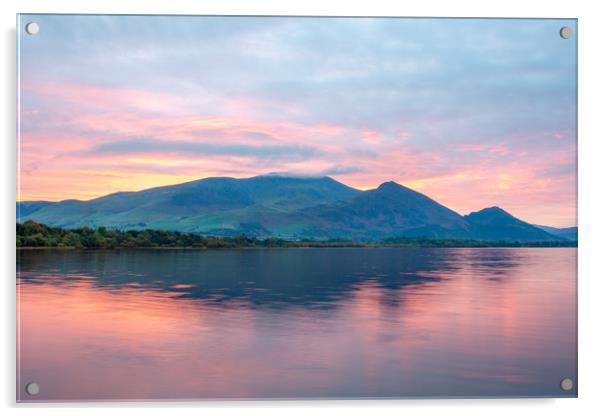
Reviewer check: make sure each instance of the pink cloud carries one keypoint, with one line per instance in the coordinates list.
(65, 121)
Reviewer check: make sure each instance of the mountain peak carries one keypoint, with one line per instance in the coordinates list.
(390, 185)
(494, 210)
(494, 213)
(494, 223)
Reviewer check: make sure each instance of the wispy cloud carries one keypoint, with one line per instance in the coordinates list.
(166, 147)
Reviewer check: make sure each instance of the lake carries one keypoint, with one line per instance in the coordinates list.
(296, 323)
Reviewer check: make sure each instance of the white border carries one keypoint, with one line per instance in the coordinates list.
(590, 207)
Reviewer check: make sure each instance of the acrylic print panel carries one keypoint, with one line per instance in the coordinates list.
(287, 207)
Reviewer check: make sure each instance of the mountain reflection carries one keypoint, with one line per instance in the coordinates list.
(178, 324)
(313, 278)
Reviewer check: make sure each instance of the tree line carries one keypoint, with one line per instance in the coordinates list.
(31, 234)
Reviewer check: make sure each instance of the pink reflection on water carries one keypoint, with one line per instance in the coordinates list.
(497, 323)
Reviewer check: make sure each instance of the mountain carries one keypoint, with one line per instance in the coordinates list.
(222, 206)
(391, 210)
(496, 224)
(570, 233)
(284, 206)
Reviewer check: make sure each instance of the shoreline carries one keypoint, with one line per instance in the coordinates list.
(32, 236)
(290, 247)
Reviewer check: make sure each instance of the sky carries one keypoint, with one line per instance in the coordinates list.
(472, 112)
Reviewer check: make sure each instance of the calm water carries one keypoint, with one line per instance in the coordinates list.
(166, 324)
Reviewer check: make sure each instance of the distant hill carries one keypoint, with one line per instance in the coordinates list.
(496, 224)
(287, 207)
(570, 233)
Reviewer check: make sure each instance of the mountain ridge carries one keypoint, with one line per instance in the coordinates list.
(570, 233)
(290, 207)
